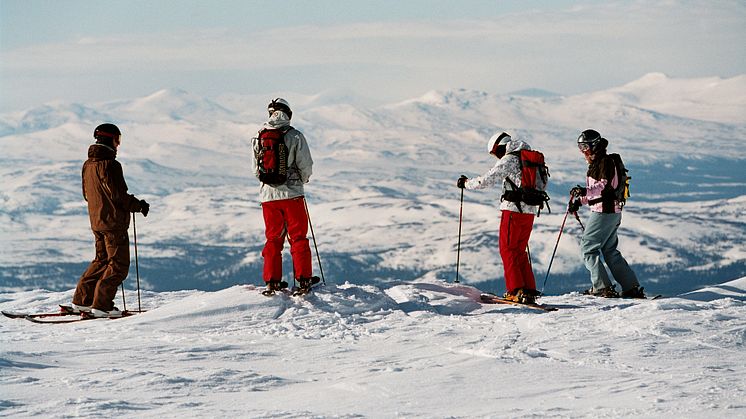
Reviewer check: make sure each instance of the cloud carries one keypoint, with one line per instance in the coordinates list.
(582, 48)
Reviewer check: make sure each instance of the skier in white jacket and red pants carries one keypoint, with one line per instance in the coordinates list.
(516, 221)
(283, 205)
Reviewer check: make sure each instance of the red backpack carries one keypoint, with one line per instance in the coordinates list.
(272, 159)
(532, 165)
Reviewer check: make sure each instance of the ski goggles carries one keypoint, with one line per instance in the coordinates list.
(584, 147)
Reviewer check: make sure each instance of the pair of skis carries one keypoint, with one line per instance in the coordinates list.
(66, 315)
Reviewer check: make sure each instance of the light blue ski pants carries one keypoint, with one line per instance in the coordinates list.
(600, 239)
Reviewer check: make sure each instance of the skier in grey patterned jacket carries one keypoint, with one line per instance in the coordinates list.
(516, 221)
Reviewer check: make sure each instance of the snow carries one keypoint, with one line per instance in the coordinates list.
(419, 349)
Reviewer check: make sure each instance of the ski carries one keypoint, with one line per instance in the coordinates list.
(42, 320)
(21, 315)
(654, 297)
(494, 299)
(65, 310)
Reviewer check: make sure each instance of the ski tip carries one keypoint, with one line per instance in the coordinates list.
(13, 314)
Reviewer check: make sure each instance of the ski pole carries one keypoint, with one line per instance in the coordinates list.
(318, 258)
(137, 264)
(562, 227)
(124, 303)
(458, 247)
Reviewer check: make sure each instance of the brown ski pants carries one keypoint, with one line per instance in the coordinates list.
(98, 285)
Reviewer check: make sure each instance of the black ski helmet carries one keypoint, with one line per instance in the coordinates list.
(106, 132)
(590, 139)
(280, 104)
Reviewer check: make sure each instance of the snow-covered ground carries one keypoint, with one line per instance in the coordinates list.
(419, 349)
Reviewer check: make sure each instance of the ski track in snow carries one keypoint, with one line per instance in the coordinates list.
(418, 349)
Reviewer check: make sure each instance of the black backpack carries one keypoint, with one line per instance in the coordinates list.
(621, 192)
(610, 195)
(272, 158)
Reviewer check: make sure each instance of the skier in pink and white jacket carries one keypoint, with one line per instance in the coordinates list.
(600, 234)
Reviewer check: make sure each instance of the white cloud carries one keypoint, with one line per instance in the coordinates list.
(583, 48)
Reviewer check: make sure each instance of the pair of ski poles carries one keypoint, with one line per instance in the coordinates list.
(137, 270)
(562, 227)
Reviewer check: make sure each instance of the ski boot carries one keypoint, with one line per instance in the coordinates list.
(609, 292)
(77, 309)
(95, 313)
(305, 285)
(273, 287)
(634, 292)
(521, 296)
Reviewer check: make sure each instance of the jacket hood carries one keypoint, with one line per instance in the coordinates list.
(278, 119)
(516, 145)
(101, 152)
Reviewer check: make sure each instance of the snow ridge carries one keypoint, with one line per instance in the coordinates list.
(414, 349)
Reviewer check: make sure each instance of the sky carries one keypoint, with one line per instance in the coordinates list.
(77, 51)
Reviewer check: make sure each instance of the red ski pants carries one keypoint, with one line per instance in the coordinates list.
(515, 230)
(286, 218)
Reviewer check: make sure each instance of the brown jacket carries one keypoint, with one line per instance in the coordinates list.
(109, 204)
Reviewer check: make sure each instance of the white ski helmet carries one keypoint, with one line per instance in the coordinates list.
(497, 140)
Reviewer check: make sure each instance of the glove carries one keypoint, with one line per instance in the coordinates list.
(574, 206)
(461, 183)
(144, 208)
(578, 191)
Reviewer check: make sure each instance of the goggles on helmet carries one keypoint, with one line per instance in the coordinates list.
(587, 140)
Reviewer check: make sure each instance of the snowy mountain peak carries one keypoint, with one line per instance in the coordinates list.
(461, 98)
(649, 79)
(175, 104)
(383, 186)
(708, 99)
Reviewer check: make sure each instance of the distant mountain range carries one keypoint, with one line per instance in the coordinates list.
(382, 198)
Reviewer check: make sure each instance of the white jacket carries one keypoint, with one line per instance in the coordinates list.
(507, 167)
(300, 163)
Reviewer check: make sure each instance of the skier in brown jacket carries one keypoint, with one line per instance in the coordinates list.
(109, 207)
